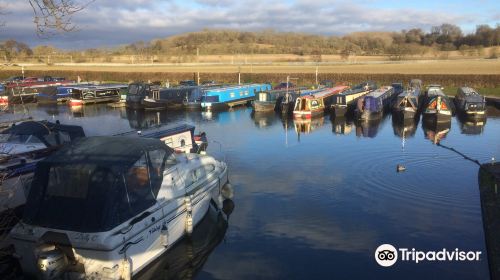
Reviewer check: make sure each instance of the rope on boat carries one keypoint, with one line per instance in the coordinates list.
(463, 155)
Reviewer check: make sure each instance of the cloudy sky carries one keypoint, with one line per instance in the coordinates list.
(110, 23)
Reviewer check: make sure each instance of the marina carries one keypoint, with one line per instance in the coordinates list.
(322, 188)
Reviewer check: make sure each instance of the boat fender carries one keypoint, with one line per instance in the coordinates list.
(164, 235)
(126, 269)
(189, 216)
(189, 224)
(227, 191)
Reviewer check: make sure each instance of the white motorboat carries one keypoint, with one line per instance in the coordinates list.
(21, 147)
(106, 207)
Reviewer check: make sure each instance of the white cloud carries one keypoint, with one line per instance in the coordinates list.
(107, 22)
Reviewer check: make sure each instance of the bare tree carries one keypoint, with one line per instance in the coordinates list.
(52, 16)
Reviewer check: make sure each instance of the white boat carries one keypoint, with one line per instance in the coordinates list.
(21, 147)
(106, 207)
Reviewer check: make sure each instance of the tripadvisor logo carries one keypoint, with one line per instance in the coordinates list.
(387, 255)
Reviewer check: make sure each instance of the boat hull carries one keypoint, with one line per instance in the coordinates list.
(151, 104)
(264, 106)
(437, 117)
(211, 106)
(405, 113)
(339, 110)
(138, 247)
(369, 115)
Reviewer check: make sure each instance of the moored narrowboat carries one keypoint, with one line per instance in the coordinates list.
(228, 97)
(373, 104)
(313, 105)
(268, 101)
(138, 91)
(470, 103)
(90, 94)
(344, 102)
(287, 103)
(436, 105)
(54, 94)
(26, 91)
(407, 103)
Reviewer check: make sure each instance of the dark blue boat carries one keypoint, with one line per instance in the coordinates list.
(373, 105)
(54, 94)
(470, 103)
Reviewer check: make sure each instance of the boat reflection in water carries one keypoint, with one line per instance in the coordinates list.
(140, 119)
(436, 131)
(342, 125)
(307, 125)
(263, 119)
(186, 258)
(367, 128)
(471, 126)
(80, 111)
(404, 128)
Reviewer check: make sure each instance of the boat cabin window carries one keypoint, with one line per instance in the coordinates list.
(171, 161)
(210, 99)
(77, 197)
(139, 187)
(314, 103)
(23, 139)
(158, 159)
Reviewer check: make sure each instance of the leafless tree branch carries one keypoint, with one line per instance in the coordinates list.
(54, 16)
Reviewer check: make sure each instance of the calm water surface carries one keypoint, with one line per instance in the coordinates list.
(315, 199)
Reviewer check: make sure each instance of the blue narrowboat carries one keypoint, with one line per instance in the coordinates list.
(54, 94)
(372, 105)
(227, 97)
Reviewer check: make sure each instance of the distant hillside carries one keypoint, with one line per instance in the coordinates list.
(189, 47)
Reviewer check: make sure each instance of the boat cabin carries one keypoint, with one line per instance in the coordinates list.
(31, 136)
(97, 183)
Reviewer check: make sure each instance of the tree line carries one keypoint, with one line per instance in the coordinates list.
(445, 37)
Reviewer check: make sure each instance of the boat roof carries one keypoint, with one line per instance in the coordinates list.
(327, 91)
(41, 128)
(106, 150)
(159, 132)
(468, 91)
(232, 87)
(99, 87)
(378, 92)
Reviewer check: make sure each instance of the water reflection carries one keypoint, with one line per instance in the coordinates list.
(342, 125)
(367, 128)
(141, 119)
(436, 131)
(404, 128)
(186, 258)
(307, 126)
(471, 126)
(263, 119)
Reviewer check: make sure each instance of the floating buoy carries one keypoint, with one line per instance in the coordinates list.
(400, 168)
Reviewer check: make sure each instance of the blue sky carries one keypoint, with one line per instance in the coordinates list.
(111, 23)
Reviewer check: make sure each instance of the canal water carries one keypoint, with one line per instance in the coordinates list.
(314, 199)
